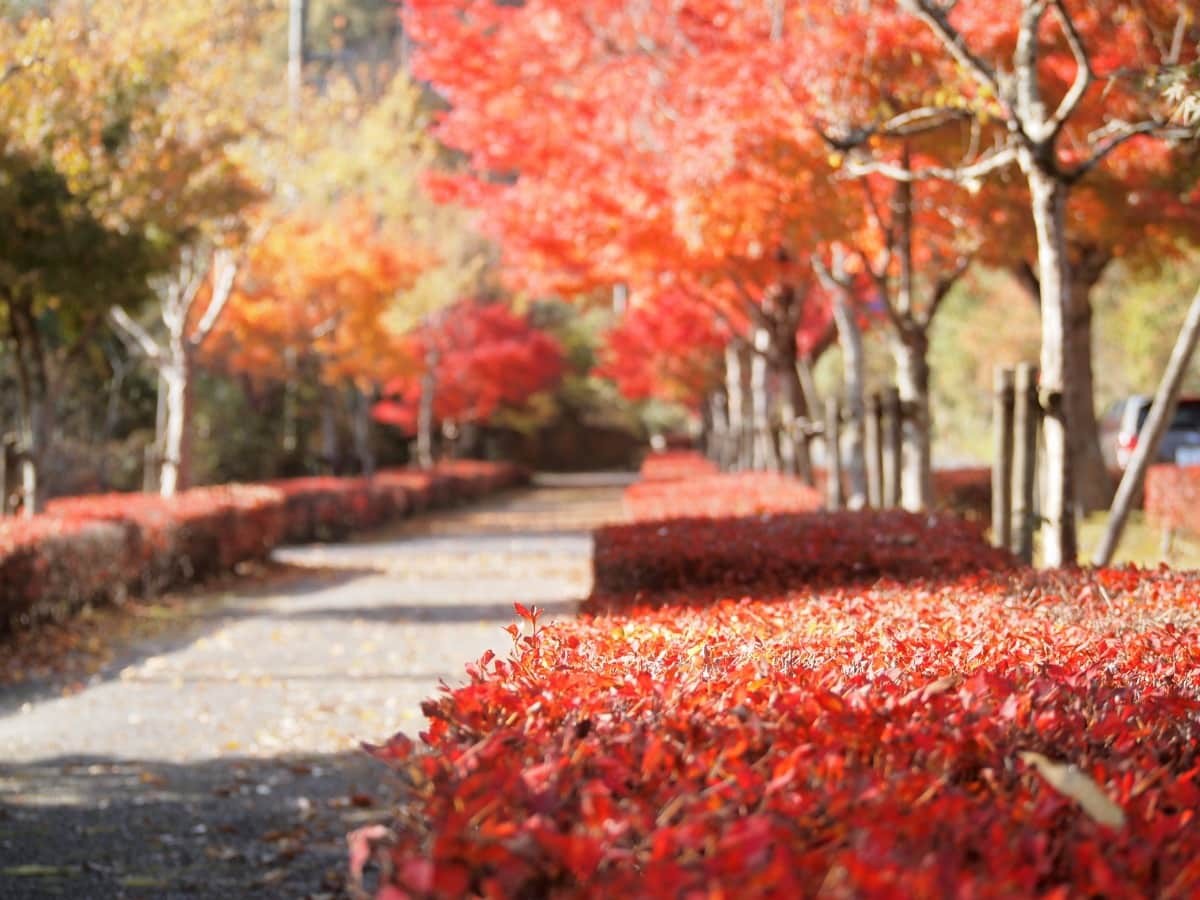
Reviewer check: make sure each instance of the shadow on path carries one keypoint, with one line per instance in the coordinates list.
(255, 691)
(124, 636)
(441, 614)
(104, 827)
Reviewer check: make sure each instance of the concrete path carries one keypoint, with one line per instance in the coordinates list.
(220, 759)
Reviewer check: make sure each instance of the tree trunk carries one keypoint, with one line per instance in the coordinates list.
(765, 457)
(718, 428)
(1093, 485)
(910, 347)
(361, 418)
(177, 375)
(32, 450)
(793, 445)
(291, 388)
(33, 403)
(329, 430)
(111, 414)
(1058, 380)
(734, 397)
(425, 413)
(854, 383)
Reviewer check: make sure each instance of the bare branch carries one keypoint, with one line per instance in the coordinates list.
(938, 19)
(134, 336)
(1083, 73)
(224, 272)
(942, 288)
(922, 120)
(1025, 67)
(843, 138)
(1119, 133)
(1177, 39)
(968, 176)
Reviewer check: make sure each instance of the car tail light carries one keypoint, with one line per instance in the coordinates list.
(1126, 444)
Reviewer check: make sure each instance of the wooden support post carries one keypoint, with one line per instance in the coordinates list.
(1002, 458)
(892, 447)
(3, 478)
(1025, 427)
(1166, 544)
(833, 455)
(1158, 421)
(873, 450)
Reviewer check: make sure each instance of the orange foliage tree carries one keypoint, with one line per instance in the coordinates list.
(315, 295)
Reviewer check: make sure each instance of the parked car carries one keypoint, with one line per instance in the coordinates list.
(1124, 420)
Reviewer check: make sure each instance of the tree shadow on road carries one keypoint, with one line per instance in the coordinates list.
(436, 614)
(53, 658)
(101, 827)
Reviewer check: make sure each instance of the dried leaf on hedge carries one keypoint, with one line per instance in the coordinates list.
(1069, 781)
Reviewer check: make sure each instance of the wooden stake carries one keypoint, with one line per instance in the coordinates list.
(1158, 420)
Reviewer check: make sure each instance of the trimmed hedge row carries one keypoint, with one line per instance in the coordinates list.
(1173, 497)
(962, 726)
(745, 494)
(997, 735)
(675, 465)
(814, 549)
(96, 549)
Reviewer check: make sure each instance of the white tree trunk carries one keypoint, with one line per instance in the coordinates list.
(733, 400)
(33, 401)
(765, 457)
(1093, 488)
(793, 445)
(854, 383)
(32, 449)
(425, 415)
(717, 418)
(1048, 196)
(909, 351)
(175, 470)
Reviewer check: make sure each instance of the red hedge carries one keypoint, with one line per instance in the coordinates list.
(855, 742)
(96, 548)
(817, 548)
(743, 494)
(50, 566)
(199, 532)
(1173, 497)
(675, 465)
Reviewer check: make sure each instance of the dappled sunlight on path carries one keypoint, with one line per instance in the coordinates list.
(343, 648)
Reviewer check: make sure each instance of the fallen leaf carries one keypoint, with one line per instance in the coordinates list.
(1069, 781)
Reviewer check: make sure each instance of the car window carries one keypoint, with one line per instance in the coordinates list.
(1187, 416)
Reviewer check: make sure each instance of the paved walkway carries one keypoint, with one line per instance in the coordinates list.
(220, 759)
